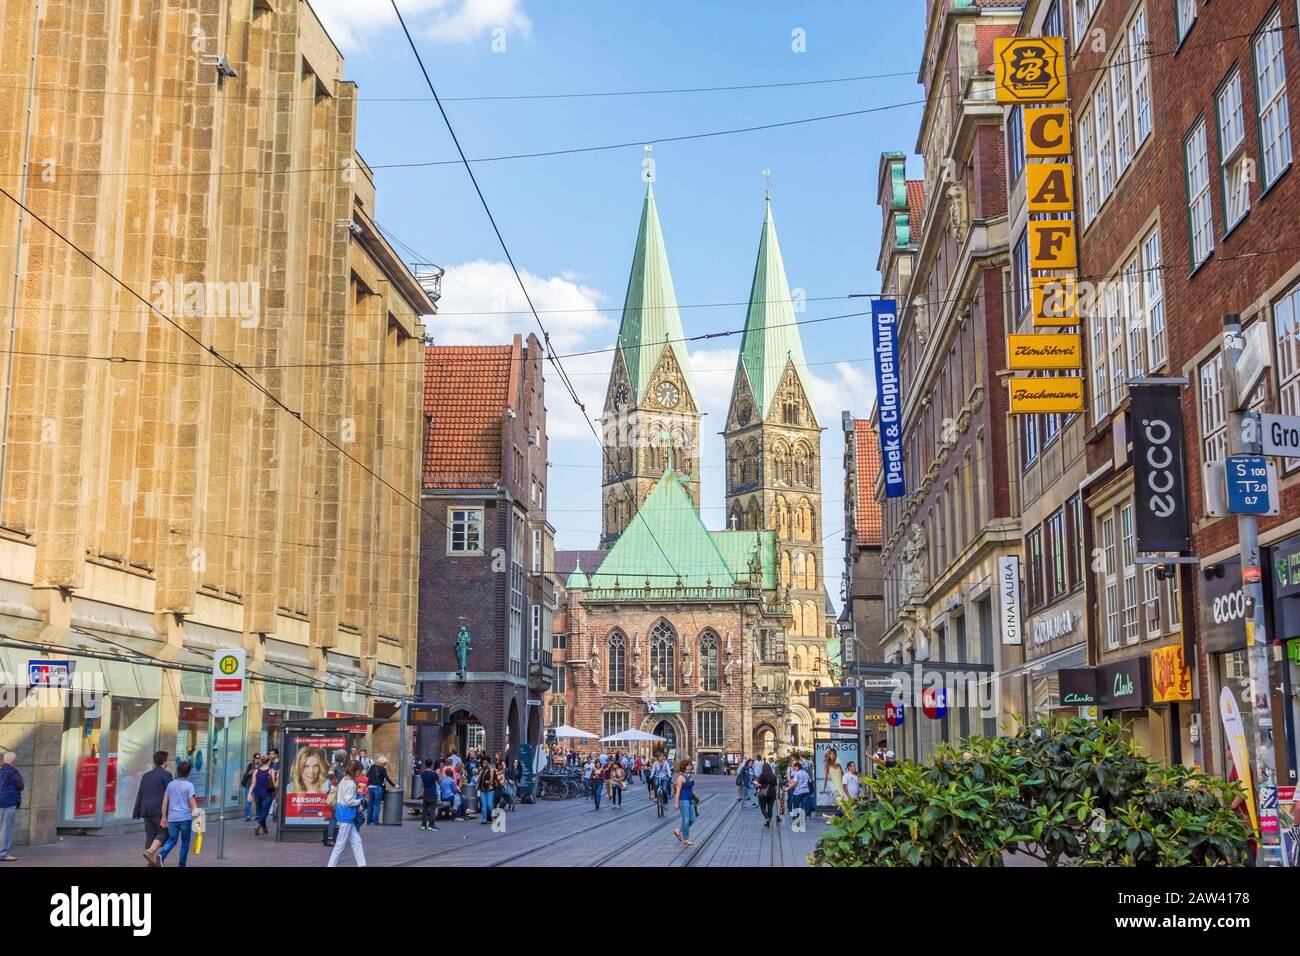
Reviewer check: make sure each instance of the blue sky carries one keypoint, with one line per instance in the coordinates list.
(570, 221)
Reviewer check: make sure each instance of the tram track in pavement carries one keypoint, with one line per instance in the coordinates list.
(451, 854)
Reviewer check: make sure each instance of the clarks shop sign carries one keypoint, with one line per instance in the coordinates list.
(1124, 684)
(1078, 686)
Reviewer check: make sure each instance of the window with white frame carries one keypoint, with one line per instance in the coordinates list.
(1121, 99)
(1173, 602)
(1270, 90)
(1214, 419)
(1139, 69)
(537, 551)
(1286, 346)
(557, 713)
(465, 530)
(1105, 141)
(1115, 324)
(1153, 295)
(1110, 569)
(1185, 15)
(1200, 224)
(1015, 144)
(1232, 150)
(1137, 331)
(1151, 600)
(1083, 11)
(614, 722)
(1020, 277)
(1088, 163)
(535, 634)
(1128, 554)
(709, 726)
(561, 679)
(1053, 25)
(1100, 375)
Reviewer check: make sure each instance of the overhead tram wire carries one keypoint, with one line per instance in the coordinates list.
(662, 139)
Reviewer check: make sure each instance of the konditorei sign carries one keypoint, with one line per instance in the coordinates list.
(1009, 599)
(1037, 352)
(884, 321)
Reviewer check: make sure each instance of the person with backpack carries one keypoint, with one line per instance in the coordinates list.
(347, 804)
(262, 791)
(246, 781)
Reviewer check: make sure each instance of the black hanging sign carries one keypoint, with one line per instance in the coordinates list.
(1159, 486)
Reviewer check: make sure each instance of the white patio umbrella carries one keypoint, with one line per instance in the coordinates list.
(566, 732)
(630, 736)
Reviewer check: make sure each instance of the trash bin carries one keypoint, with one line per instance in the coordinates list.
(392, 807)
(469, 793)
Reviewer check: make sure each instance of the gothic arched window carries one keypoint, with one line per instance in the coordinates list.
(785, 569)
(781, 462)
(754, 460)
(708, 661)
(663, 645)
(737, 456)
(617, 666)
(810, 572)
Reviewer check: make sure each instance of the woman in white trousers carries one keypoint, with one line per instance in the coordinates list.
(346, 807)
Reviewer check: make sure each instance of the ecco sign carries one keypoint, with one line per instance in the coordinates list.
(1229, 607)
(1162, 520)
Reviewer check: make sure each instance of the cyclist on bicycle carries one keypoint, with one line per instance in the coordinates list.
(661, 775)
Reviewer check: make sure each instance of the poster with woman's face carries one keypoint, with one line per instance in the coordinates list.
(305, 777)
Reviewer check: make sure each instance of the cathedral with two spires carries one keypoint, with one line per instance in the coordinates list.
(709, 639)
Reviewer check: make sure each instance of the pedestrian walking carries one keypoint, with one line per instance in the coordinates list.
(514, 775)
(742, 780)
(588, 769)
(597, 784)
(431, 786)
(766, 785)
(178, 808)
(149, 799)
(791, 769)
(379, 782)
(617, 776)
(11, 797)
(246, 781)
(801, 791)
(262, 791)
(487, 791)
(684, 797)
(338, 770)
(347, 804)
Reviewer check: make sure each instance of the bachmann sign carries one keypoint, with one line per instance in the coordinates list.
(1159, 487)
(884, 320)
(1046, 396)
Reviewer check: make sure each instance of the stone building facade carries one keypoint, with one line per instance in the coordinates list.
(156, 502)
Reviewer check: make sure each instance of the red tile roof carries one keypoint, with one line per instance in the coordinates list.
(915, 206)
(867, 520)
(466, 391)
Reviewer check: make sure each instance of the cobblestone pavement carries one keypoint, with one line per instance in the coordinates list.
(549, 833)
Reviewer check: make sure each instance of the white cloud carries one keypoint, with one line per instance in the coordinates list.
(850, 387)
(482, 304)
(352, 22)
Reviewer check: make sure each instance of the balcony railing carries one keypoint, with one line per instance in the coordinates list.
(659, 595)
(769, 698)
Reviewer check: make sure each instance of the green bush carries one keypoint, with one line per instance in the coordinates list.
(1072, 792)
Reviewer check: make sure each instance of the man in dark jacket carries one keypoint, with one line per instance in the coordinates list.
(148, 802)
(11, 795)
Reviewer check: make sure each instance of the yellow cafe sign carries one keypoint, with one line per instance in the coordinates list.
(1030, 69)
(1037, 352)
(1046, 396)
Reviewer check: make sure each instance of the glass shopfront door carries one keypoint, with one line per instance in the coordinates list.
(86, 789)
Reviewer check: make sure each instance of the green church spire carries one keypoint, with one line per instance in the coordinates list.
(771, 340)
(650, 316)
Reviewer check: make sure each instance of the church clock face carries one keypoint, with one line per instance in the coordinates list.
(667, 395)
(743, 413)
(620, 397)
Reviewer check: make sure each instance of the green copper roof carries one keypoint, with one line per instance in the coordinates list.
(577, 579)
(771, 338)
(738, 548)
(650, 316)
(664, 540)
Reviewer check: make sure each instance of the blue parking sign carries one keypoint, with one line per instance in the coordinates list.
(1248, 484)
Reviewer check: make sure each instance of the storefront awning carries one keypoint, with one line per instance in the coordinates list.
(1076, 656)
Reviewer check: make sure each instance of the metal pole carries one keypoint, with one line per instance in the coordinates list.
(859, 698)
(1258, 716)
(401, 751)
(221, 789)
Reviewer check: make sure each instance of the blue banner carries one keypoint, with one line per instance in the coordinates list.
(884, 322)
